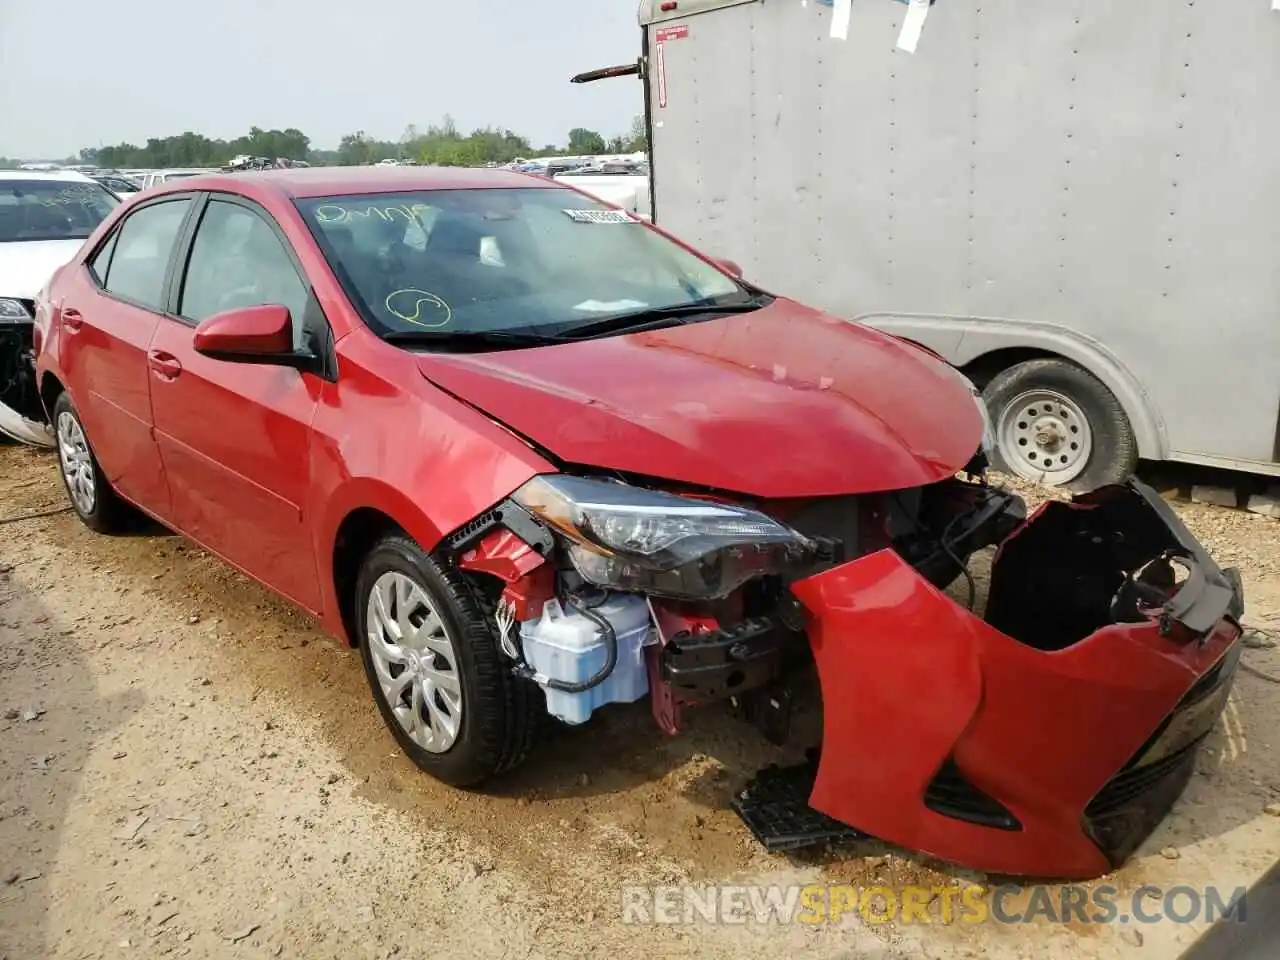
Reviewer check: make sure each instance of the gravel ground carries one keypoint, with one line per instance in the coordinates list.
(189, 768)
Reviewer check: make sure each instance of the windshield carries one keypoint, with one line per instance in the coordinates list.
(484, 261)
(52, 209)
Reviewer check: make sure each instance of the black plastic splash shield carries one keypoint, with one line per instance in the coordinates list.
(775, 807)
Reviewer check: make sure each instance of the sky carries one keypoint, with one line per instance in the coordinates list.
(75, 73)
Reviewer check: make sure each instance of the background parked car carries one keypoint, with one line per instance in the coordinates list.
(118, 184)
(155, 178)
(44, 219)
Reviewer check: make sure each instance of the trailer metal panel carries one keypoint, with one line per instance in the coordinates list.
(1097, 181)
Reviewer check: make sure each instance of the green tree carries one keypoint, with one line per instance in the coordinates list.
(638, 140)
(583, 142)
(359, 148)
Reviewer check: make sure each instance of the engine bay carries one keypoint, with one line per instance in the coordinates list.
(746, 636)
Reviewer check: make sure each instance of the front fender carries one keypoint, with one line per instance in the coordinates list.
(414, 454)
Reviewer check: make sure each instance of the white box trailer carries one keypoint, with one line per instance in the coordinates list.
(1077, 203)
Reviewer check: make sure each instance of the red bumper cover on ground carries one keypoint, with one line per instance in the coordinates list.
(1050, 752)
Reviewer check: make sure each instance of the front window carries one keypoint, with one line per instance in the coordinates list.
(52, 209)
(486, 261)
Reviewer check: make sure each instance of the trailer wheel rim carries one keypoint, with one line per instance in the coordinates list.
(77, 463)
(1044, 436)
(415, 661)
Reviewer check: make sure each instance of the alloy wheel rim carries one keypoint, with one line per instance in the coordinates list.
(1045, 436)
(77, 463)
(414, 661)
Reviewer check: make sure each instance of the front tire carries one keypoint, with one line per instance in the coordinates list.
(435, 670)
(92, 497)
(1057, 424)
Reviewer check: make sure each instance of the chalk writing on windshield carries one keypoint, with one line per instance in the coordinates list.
(338, 213)
(419, 307)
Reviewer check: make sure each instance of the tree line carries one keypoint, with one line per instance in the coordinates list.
(440, 144)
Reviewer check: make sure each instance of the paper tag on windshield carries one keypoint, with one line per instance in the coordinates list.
(599, 306)
(600, 216)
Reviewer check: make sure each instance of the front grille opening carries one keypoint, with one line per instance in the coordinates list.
(952, 795)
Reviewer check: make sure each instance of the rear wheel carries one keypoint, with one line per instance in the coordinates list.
(91, 494)
(1057, 424)
(434, 666)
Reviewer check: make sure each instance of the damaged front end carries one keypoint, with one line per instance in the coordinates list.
(1046, 735)
(1049, 736)
(22, 416)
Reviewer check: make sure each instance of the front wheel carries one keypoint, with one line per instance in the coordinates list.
(1057, 424)
(434, 666)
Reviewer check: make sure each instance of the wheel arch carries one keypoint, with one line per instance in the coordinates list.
(50, 388)
(360, 515)
(981, 357)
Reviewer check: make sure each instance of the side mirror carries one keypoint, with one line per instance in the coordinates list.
(730, 267)
(261, 334)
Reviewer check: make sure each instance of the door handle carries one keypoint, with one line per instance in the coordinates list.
(164, 365)
(72, 319)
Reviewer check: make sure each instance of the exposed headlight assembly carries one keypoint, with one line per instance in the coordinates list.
(13, 311)
(645, 541)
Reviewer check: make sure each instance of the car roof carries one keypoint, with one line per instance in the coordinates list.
(44, 175)
(303, 182)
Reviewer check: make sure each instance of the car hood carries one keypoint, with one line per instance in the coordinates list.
(25, 265)
(782, 402)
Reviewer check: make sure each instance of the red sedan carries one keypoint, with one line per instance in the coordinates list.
(534, 456)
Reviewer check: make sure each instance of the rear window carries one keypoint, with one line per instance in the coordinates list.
(52, 209)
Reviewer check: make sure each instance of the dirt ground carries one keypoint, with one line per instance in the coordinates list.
(189, 768)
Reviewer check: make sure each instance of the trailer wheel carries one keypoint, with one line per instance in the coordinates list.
(1057, 424)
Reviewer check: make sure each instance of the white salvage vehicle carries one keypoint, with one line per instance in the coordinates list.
(44, 219)
(623, 183)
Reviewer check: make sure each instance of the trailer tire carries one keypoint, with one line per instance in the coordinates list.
(1057, 424)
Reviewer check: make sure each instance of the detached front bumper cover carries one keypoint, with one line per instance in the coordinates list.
(1049, 737)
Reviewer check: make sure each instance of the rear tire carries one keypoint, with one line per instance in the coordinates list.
(434, 667)
(92, 497)
(1057, 424)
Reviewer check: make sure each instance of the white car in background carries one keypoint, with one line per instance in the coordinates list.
(153, 178)
(122, 186)
(44, 220)
(625, 184)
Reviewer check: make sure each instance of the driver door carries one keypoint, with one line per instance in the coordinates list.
(235, 438)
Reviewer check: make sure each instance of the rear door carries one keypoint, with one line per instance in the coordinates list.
(108, 318)
(235, 438)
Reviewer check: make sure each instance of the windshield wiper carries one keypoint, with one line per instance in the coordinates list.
(469, 339)
(657, 317)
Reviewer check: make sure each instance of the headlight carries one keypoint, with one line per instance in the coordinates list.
(13, 311)
(646, 541)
